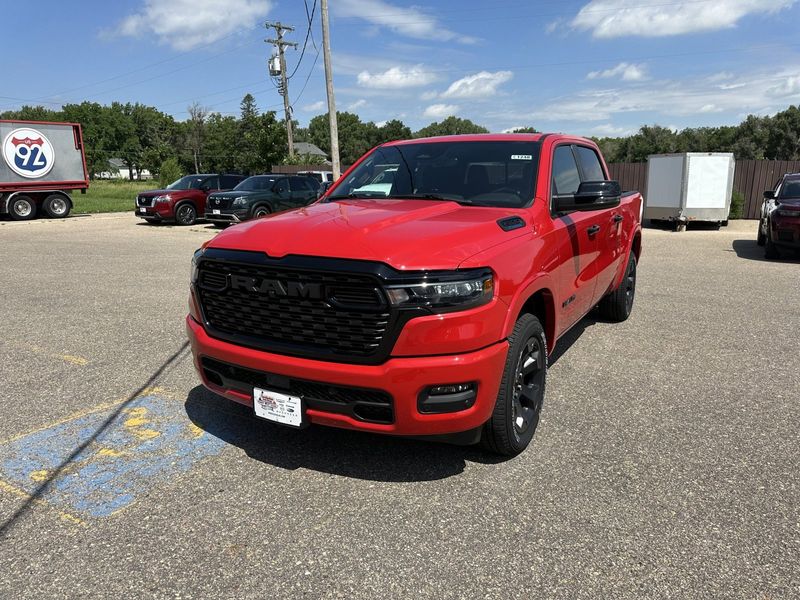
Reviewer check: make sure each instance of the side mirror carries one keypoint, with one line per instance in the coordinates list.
(769, 195)
(591, 195)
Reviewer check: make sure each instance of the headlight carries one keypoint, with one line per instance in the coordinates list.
(195, 258)
(457, 290)
(164, 198)
(240, 201)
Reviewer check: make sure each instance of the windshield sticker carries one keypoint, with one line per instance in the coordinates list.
(521, 157)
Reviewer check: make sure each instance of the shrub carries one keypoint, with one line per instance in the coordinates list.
(170, 171)
(737, 206)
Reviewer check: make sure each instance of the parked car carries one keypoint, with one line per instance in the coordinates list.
(321, 176)
(259, 196)
(425, 310)
(41, 163)
(183, 200)
(779, 225)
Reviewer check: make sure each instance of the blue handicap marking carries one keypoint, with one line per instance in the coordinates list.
(151, 440)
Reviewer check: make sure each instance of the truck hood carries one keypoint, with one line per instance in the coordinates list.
(406, 234)
(233, 194)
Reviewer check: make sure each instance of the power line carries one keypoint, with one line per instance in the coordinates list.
(310, 18)
(281, 44)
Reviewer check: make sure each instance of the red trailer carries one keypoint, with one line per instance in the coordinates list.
(41, 162)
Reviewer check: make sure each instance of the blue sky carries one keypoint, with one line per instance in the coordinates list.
(599, 67)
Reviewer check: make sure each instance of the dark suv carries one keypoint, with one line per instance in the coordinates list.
(259, 196)
(182, 200)
(780, 216)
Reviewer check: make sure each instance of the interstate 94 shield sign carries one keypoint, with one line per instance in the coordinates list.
(28, 153)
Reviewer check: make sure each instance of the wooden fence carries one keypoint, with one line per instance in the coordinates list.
(752, 177)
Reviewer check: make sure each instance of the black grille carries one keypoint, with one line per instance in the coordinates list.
(144, 201)
(365, 404)
(215, 202)
(351, 320)
(785, 235)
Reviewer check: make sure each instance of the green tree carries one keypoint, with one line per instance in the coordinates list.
(524, 130)
(355, 137)
(450, 126)
(168, 172)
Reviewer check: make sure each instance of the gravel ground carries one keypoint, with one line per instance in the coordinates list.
(665, 464)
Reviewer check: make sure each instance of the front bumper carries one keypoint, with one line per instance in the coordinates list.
(785, 231)
(402, 378)
(226, 217)
(159, 212)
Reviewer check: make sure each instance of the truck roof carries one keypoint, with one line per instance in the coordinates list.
(477, 137)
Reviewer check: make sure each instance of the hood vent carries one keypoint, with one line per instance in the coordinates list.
(511, 223)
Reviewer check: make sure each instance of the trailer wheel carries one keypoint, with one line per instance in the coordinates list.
(56, 206)
(519, 400)
(22, 208)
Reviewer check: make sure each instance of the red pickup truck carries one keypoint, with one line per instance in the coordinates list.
(427, 306)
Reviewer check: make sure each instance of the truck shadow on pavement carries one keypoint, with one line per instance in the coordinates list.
(329, 450)
(750, 250)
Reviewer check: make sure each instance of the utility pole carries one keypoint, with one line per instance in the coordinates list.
(334, 127)
(283, 88)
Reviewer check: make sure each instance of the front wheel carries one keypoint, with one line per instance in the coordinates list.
(770, 249)
(260, 212)
(516, 412)
(186, 214)
(56, 206)
(22, 208)
(761, 239)
(617, 305)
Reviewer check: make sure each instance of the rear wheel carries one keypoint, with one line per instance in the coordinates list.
(617, 305)
(519, 401)
(185, 214)
(56, 206)
(22, 208)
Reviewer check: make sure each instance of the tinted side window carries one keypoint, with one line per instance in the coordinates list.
(592, 171)
(565, 172)
(282, 185)
(212, 183)
(298, 184)
(228, 182)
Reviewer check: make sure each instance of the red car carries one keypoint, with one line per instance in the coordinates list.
(183, 200)
(424, 308)
(779, 227)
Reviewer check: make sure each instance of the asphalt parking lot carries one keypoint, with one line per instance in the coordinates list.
(665, 464)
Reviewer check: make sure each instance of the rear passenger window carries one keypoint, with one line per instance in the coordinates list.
(592, 171)
(298, 184)
(212, 183)
(282, 186)
(565, 172)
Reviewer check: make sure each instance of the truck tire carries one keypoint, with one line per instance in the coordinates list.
(516, 411)
(22, 208)
(760, 238)
(617, 305)
(185, 214)
(770, 250)
(56, 206)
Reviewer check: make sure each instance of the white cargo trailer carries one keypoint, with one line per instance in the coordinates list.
(692, 186)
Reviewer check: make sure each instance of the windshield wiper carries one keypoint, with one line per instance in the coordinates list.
(352, 195)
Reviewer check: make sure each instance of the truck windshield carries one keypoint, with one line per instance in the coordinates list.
(791, 189)
(255, 184)
(190, 182)
(491, 173)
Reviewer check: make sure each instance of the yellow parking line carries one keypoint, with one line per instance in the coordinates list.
(72, 359)
(11, 489)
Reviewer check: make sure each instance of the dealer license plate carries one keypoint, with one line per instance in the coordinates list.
(277, 407)
(143, 210)
(215, 211)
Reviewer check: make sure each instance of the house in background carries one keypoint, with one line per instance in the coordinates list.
(119, 170)
(308, 149)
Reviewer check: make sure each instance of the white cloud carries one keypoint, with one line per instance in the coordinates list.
(760, 91)
(314, 106)
(622, 18)
(438, 111)
(397, 77)
(511, 129)
(411, 22)
(479, 85)
(360, 103)
(609, 130)
(185, 24)
(430, 95)
(626, 71)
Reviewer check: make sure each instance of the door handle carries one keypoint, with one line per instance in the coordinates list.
(618, 218)
(593, 229)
